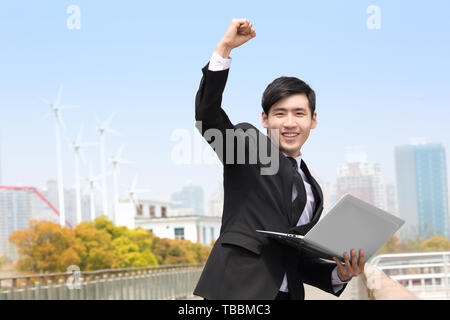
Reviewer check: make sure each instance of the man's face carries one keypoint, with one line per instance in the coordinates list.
(292, 117)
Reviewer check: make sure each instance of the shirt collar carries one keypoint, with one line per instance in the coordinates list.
(298, 159)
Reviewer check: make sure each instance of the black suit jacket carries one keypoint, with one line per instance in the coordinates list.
(244, 264)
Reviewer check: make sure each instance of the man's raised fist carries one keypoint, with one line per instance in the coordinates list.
(239, 31)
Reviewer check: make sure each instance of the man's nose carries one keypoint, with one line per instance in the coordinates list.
(290, 121)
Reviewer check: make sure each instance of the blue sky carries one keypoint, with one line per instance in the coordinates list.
(143, 61)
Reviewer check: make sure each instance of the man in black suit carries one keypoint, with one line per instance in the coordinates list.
(267, 186)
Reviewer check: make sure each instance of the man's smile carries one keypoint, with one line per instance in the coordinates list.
(290, 136)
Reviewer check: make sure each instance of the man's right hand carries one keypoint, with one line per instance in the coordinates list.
(239, 31)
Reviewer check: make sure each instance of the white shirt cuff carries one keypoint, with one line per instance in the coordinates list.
(335, 281)
(218, 63)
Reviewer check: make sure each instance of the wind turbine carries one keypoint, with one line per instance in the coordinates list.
(115, 161)
(56, 108)
(92, 185)
(76, 147)
(132, 191)
(103, 128)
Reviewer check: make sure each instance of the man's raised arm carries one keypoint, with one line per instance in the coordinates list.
(208, 111)
(209, 95)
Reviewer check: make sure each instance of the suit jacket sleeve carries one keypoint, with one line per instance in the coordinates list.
(208, 111)
(317, 272)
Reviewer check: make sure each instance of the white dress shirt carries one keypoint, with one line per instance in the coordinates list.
(218, 63)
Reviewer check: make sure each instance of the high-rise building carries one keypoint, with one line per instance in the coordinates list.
(15, 212)
(17, 206)
(422, 189)
(51, 193)
(361, 178)
(215, 203)
(391, 199)
(190, 197)
(70, 206)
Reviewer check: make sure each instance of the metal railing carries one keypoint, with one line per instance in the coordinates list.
(427, 274)
(145, 283)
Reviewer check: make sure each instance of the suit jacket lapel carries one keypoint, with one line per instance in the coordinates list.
(286, 174)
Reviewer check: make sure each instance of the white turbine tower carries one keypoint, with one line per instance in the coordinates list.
(103, 128)
(56, 108)
(115, 161)
(76, 147)
(92, 185)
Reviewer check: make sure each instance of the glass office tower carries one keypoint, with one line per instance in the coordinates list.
(422, 189)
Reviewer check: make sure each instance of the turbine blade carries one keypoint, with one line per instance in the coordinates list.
(107, 121)
(107, 174)
(82, 156)
(88, 144)
(58, 96)
(109, 130)
(98, 177)
(119, 153)
(80, 135)
(123, 161)
(96, 186)
(67, 107)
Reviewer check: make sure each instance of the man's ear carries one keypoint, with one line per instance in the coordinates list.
(314, 121)
(264, 121)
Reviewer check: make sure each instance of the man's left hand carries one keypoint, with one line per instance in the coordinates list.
(349, 269)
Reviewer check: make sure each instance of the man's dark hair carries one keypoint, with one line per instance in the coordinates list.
(287, 86)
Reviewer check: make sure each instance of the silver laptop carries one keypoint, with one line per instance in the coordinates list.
(350, 224)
